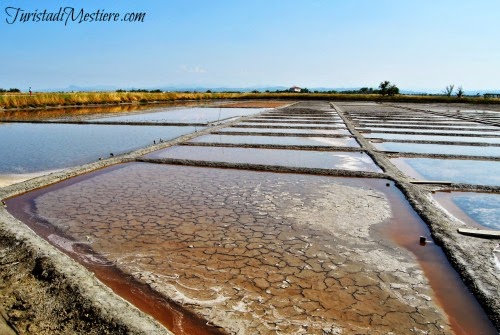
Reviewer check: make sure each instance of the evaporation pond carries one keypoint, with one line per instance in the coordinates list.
(354, 161)
(267, 117)
(30, 147)
(292, 125)
(475, 208)
(278, 140)
(434, 131)
(442, 149)
(477, 172)
(294, 121)
(235, 245)
(424, 124)
(185, 115)
(408, 137)
(286, 131)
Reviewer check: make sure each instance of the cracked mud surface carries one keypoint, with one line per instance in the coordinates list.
(255, 253)
(260, 252)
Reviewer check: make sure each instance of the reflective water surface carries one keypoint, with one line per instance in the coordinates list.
(354, 161)
(285, 131)
(281, 140)
(186, 115)
(80, 113)
(440, 131)
(449, 124)
(443, 149)
(475, 172)
(494, 140)
(292, 125)
(476, 208)
(38, 147)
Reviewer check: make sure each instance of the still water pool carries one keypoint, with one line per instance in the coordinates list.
(473, 208)
(39, 147)
(353, 161)
(477, 172)
(437, 138)
(185, 115)
(279, 140)
(442, 149)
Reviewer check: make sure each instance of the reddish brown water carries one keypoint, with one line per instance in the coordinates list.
(308, 255)
(170, 314)
(78, 112)
(465, 314)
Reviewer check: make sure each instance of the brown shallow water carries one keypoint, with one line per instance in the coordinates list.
(80, 112)
(254, 252)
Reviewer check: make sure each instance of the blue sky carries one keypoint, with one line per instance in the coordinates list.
(425, 44)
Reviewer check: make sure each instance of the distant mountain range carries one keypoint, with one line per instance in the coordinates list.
(182, 88)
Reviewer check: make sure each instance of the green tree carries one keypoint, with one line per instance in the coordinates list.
(392, 90)
(460, 92)
(385, 88)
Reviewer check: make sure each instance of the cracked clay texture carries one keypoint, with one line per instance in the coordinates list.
(252, 252)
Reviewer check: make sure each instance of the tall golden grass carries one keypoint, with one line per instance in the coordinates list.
(90, 98)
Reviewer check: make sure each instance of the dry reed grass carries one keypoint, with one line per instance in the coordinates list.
(91, 98)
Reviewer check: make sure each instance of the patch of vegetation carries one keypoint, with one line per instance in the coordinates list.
(10, 90)
(386, 93)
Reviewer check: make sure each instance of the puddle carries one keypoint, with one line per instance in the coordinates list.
(28, 148)
(476, 172)
(279, 140)
(185, 115)
(481, 210)
(443, 149)
(285, 131)
(492, 140)
(352, 161)
(258, 252)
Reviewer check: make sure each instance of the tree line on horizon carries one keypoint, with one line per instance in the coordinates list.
(385, 88)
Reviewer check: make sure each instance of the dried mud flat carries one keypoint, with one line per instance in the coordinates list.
(253, 252)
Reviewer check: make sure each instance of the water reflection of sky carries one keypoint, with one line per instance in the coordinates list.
(482, 208)
(494, 140)
(427, 125)
(280, 140)
(443, 149)
(186, 115)
(441, 131)
(355, 161)
(475, 172)
(291, 125)
(38, 147)
(286, 131)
